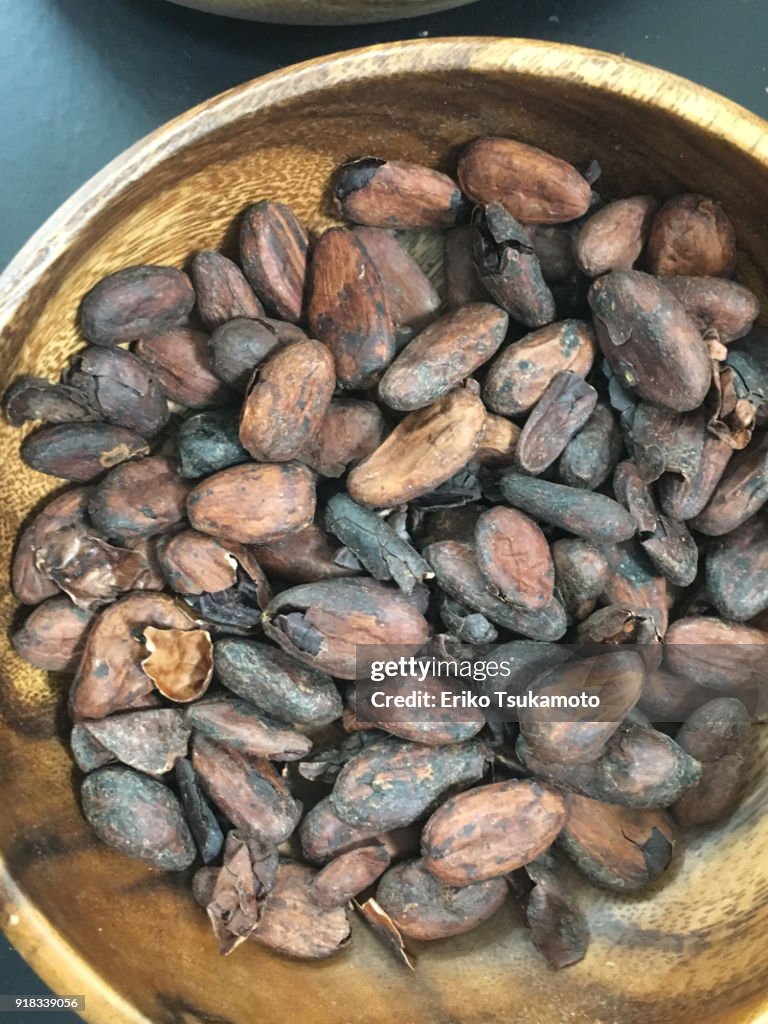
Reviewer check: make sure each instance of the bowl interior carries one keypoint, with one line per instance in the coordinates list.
(132, 939)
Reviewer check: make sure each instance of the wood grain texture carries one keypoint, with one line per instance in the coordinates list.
(322, 12)
(132, 939)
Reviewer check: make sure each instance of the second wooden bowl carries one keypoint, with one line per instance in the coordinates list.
(132, 939)
(322, 12)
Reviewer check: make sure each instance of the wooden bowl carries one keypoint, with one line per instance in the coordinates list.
(132, 939)
(322, 12)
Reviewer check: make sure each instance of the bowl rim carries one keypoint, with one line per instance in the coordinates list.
(43, 947)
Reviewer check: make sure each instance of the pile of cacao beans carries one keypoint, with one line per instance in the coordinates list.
(555, 438)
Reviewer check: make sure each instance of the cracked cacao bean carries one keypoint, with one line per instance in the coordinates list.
(462, 280)
(304, 556)
(294, 924)
(509, 268)
(120, 389)
(377, 547)
(322, 624)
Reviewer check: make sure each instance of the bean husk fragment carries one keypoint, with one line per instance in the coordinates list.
(235, 904)
(375, 544)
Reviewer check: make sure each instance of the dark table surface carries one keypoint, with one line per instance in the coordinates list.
(80, 80)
